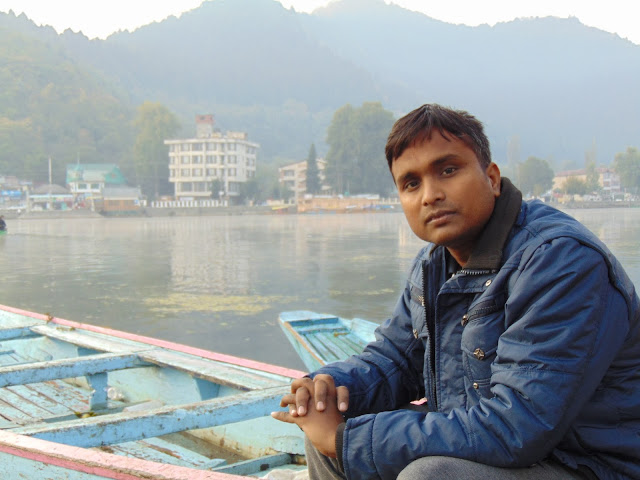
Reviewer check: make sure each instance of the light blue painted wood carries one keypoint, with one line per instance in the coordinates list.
(66, 368)
(54, 381)
(253, 465)
(18, 468)
(11, 333)
(319, 339)
(125, 426)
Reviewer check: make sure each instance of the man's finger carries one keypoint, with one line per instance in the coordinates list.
(302, 400)
(320, 395)
(343, 398)
(287, 400)
(283, 417)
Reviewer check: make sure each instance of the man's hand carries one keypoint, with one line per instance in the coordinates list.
(319, 426)
(320, 389)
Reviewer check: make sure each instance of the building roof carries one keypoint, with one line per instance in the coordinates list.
(46, 189)
(108, 173)
(114, 193)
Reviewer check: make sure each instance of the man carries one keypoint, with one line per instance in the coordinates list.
(3, 224)
(516, 323)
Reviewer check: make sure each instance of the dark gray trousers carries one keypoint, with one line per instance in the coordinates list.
(325, 468)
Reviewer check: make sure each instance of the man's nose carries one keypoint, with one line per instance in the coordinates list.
(431, 192)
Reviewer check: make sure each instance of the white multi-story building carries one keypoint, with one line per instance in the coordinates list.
(294, 177)
(211, 161)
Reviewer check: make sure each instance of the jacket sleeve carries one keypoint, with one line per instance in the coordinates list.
(388, 373)
(564, 323)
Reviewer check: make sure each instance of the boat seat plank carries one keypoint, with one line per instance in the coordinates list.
(67, 368)
(312, 328)
(319, 345)
(211, 370)
(253, 465)
(90, 340)
(129, 426)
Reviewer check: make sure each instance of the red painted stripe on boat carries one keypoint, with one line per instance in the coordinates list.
(221, 357)
(106, 465)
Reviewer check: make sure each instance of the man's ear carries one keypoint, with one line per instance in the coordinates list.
(493, 175)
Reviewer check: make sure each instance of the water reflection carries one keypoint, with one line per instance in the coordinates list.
(220, 282)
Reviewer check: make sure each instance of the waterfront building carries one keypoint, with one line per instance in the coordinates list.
(211, 161)
(608, 180)
(294, 177)
(90, 179)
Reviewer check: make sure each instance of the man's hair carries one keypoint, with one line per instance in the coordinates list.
(420, 124)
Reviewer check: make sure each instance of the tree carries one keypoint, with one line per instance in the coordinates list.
(313, 178)
(355, 160)
(575, 186)
(535, 176)
(627, 166)
(153, 124)
(593, 178)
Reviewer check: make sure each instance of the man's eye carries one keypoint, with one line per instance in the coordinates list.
(449, 170)
(411, 185)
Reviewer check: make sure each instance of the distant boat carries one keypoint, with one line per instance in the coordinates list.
(82, 402)
(319, 339)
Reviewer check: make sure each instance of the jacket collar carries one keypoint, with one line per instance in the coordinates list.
(487, 253)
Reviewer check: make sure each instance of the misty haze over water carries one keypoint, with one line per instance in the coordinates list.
(219, 282)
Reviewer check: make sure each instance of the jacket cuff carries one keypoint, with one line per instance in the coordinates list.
(339, 437)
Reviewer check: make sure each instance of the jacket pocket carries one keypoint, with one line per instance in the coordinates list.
(483, 326)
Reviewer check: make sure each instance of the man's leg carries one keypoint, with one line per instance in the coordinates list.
(320, 466)
(449, 467)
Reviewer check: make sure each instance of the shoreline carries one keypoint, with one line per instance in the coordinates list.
(258, 210)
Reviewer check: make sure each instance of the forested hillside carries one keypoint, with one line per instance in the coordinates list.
(50, 106)
(550, 88)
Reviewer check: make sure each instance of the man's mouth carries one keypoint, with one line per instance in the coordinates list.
(437, 217)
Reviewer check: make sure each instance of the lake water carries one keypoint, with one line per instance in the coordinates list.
(219, 282)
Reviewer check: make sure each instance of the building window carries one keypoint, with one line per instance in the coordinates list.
(211, 159)
(197, 172)
(231, 172)
(196, 147)
(184, 159)
(211, 147)
(184, 147)
(184, 172)
(197, 159)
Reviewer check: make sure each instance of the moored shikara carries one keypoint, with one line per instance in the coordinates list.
(319, 338)
(85, 402)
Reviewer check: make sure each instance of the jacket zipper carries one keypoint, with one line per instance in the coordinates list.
(433, 401)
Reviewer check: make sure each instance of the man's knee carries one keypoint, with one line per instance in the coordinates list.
(433, 467)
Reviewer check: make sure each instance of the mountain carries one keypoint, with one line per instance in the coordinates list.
(546, 87)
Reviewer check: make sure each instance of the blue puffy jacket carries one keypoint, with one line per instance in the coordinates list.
(524, 355)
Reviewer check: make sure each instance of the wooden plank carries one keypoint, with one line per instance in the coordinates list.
(67, 368)
(216, 372)
(254, 465)
(27, 409)
(90, 340)
(129, 426)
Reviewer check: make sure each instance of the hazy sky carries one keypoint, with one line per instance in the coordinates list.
(99, 18)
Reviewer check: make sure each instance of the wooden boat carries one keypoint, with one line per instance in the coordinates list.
(319, 339)
(81, 402)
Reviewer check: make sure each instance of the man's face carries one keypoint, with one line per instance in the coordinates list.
(445, 193)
